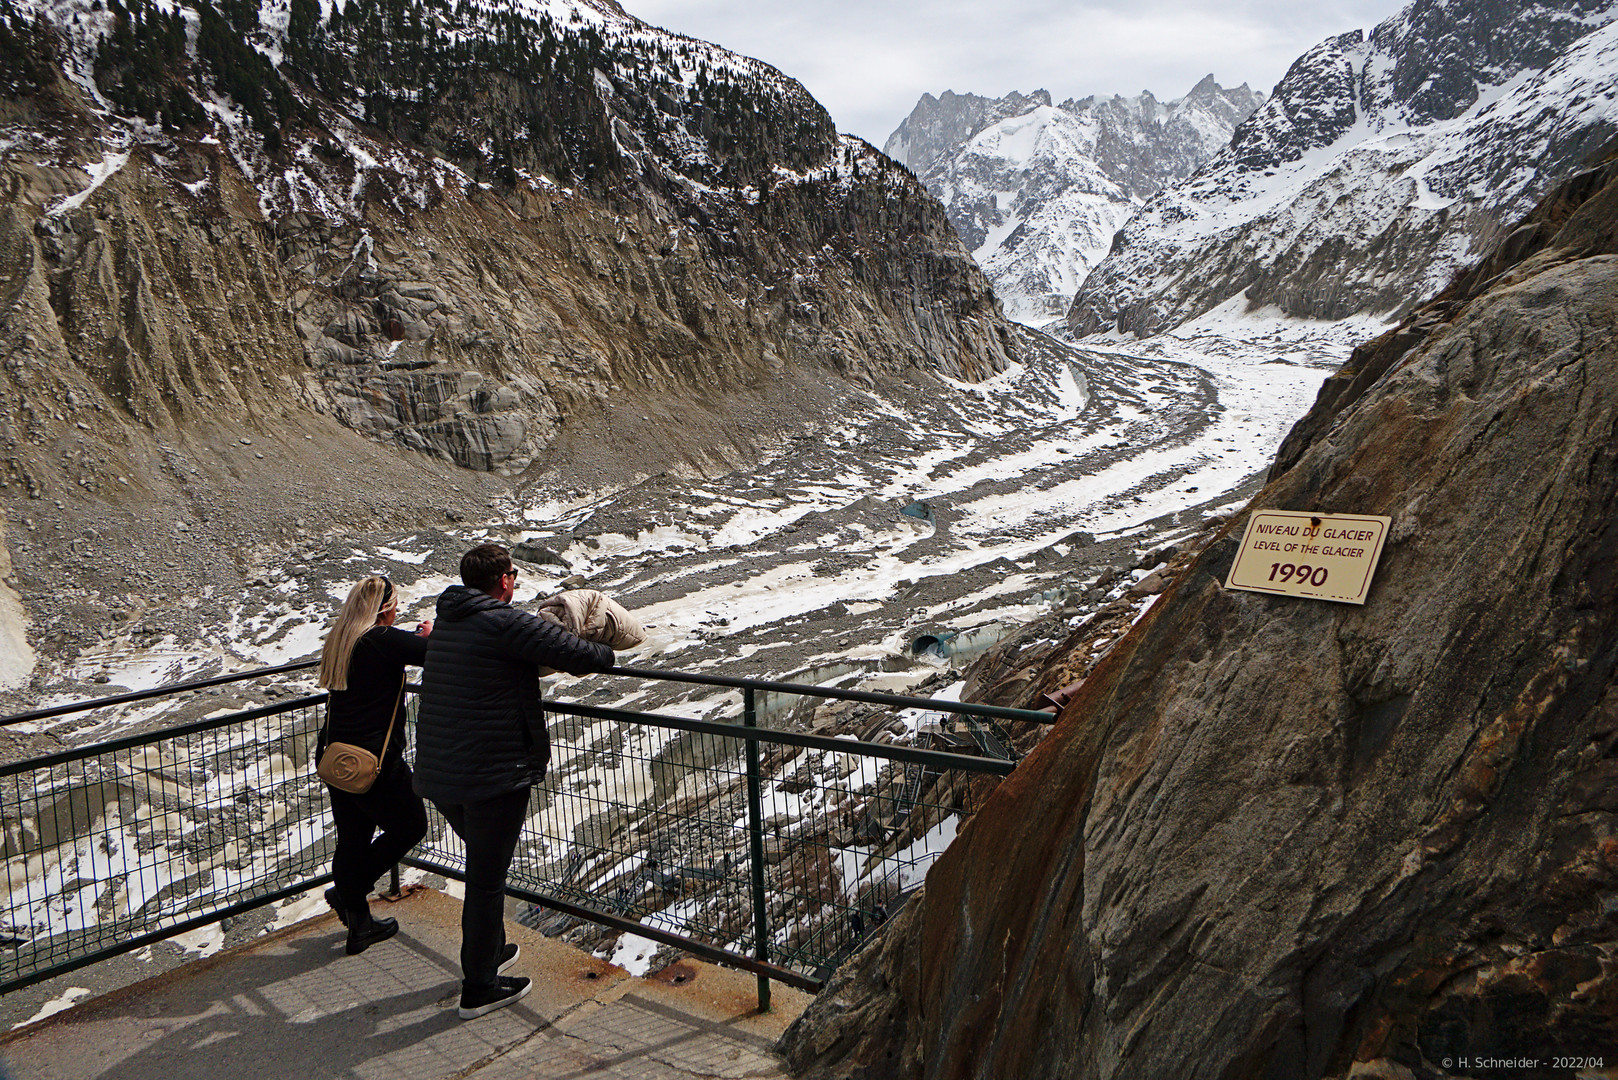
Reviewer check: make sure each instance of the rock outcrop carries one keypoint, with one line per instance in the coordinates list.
(584, 207)
(1273, 837)
(1381, 165)
(1037, 191)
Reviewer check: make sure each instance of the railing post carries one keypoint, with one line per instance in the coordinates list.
(755, 834)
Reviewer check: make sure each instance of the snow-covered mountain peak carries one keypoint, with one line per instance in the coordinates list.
(1037, 190)
(1381, 163)
(1434, 58)
(1043, 134)
(939, 125)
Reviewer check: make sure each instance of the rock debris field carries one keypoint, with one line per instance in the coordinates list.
(970, 506)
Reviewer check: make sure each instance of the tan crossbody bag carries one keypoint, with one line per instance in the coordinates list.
(354, 769)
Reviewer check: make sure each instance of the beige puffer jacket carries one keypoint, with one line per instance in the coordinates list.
(593, 616)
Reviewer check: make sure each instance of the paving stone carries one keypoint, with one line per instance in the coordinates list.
(292, 1004)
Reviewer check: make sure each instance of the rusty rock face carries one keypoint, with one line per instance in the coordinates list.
(1274, 837)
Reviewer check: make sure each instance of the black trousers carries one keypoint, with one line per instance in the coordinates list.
(374, 830)
(489, 828)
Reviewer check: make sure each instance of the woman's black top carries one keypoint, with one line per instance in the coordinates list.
(360, 714)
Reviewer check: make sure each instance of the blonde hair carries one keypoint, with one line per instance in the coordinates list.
(361, 611)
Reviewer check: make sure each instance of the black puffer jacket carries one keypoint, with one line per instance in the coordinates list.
(480, 731)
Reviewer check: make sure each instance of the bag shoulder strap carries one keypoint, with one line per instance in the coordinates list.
(396, 703)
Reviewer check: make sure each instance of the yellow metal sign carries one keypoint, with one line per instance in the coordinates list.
(1322, 556)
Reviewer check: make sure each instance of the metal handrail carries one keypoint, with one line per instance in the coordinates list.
(909, 754)
(154, 692)
(129, 742)
(897, 701)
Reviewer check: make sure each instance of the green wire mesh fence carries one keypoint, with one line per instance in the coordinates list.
(112, 846)
(651, 819)
(776, 851)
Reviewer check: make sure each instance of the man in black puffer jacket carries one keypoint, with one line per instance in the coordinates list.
(480, 743)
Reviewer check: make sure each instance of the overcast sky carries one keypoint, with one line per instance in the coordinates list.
(868, 61)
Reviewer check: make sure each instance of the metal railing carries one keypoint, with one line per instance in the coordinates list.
(112, 846)
(774, 851)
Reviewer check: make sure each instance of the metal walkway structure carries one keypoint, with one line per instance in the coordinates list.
(739, 844)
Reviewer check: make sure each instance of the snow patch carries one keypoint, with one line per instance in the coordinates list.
(70, 997)
(635, 954)
(100, 172)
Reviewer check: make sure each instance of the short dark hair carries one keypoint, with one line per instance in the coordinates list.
(483, 566)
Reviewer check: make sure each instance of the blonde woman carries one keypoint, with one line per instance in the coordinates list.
(362, 664)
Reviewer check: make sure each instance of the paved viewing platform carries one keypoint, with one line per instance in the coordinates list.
(291, 1004)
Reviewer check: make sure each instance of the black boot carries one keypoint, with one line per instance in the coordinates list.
(336, 904)
(365, 931)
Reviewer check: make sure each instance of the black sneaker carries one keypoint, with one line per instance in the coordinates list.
(508, 956)
(506, 991)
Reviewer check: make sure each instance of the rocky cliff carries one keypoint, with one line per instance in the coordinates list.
(1273, 837)
(455, 229)
(270, 270)
(1037, 190)
(1380, 166)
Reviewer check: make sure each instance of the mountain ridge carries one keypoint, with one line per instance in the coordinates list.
(1037, 191)
(1381, 165)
